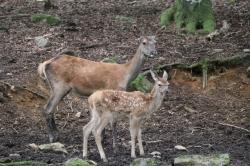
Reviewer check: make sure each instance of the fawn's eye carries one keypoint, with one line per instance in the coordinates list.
(144, 43)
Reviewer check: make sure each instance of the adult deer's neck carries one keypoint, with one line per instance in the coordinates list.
(157, 98)
(134, 65)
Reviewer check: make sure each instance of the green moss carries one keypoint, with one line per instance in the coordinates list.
(141, 84)
(191, 16)
(77, 162)
(167, 17)
(113, 59)
(23, 163)
(50, 20)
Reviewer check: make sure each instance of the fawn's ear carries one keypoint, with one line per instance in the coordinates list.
(153, 75)
(165, 75)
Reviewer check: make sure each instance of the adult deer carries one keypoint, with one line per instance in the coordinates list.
(107, 105)
(65, 73)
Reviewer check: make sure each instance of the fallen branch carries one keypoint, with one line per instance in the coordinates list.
(226, 124)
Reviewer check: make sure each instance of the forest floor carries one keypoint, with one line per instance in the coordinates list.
(194, 118)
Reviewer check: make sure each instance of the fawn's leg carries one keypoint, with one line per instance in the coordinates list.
(86, 131)
(134, 126)
(105, 119)
(140, 142)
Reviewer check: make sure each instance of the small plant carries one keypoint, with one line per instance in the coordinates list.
(124, 19)
(113, 59)
(141, 84)
(51, 20)
(77, 162)
(190, 15)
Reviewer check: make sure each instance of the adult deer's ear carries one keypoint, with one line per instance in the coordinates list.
(165, 75)
(153, 75)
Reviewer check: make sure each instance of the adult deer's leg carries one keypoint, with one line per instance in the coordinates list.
(58, 92)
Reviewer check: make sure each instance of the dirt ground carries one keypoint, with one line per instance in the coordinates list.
(194, 118)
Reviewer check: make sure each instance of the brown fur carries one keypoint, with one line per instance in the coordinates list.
(85, 76)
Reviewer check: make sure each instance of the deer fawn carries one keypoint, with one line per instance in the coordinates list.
(106, 105)
(65, 73)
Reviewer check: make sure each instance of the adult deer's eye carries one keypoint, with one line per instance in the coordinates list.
(144, 43)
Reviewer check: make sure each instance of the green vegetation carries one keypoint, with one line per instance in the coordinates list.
(113, 59)
(144, 162)
(124, 19)
(50, 20)
(190, 16)
(23, 163)
(141, 84)
(77, 162)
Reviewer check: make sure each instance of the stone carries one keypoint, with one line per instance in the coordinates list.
(246, 50)
(78, 114)
(143, 162)
(57, 147)
(41, 42)
(180, 147)
(210, 160)
(156, 154)
(15, 155)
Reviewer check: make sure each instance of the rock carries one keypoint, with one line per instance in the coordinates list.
(246, 50)
(143, 162)
(57, 147)
(41, 42)
(78, 114)
(179, 147)
(4, 159)
(217, 159)
(80, 162)
(248, 72)
(156, 154)
(9, 74)
(34, 146)
(15, 155)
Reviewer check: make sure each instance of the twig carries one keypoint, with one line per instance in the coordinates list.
(237, 127)
(66, 121)
(14, 129)
(156, 141)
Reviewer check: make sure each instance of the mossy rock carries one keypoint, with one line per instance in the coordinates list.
(144, 162)
(49, 19)
(23, 163)
(210, 160)
(190, 16)
(77, 162)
